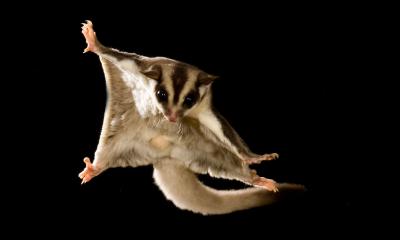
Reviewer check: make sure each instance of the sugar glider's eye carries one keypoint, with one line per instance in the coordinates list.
(190, 100)
(162, 95)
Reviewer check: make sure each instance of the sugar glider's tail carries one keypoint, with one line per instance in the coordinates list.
(181, 186)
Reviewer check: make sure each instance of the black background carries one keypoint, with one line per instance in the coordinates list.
(291, 81)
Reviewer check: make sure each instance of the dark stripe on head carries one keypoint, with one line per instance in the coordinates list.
(178, 77)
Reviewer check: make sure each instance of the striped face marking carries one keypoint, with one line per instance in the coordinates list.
(179, 78)
(179, 89)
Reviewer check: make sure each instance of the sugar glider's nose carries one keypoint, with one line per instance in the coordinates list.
(171, 115)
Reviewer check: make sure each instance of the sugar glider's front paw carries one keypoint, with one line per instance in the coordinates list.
(90, 36)
(259, 159)
(89, 171)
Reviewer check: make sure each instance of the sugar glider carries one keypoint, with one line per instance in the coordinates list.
(159, 111)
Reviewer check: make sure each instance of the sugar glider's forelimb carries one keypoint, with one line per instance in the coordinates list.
(119, 93)
(129, 62)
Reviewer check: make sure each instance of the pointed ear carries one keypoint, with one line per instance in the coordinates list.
(153, 72)
(205, 78)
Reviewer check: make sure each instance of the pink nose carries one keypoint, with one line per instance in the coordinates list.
(172, 116)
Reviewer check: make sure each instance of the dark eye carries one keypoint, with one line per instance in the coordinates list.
(190, 100)
(162, 95)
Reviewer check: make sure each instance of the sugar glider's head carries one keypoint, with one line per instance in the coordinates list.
(179, 88)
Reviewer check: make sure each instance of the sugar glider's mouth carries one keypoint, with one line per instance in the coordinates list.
(171, 119)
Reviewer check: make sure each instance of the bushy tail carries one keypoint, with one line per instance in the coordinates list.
(181, 186)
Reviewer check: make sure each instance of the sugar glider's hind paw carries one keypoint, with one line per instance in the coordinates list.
(266, 183)
(87, 173)
(259, 159)
(90, 36)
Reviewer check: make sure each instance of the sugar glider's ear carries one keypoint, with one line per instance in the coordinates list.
(205, 78)
(153, 71)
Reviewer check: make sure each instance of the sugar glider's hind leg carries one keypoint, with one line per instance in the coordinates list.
(263, 182)
(251, 177)
(120, 107)
(233, 168)
(89, 172)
